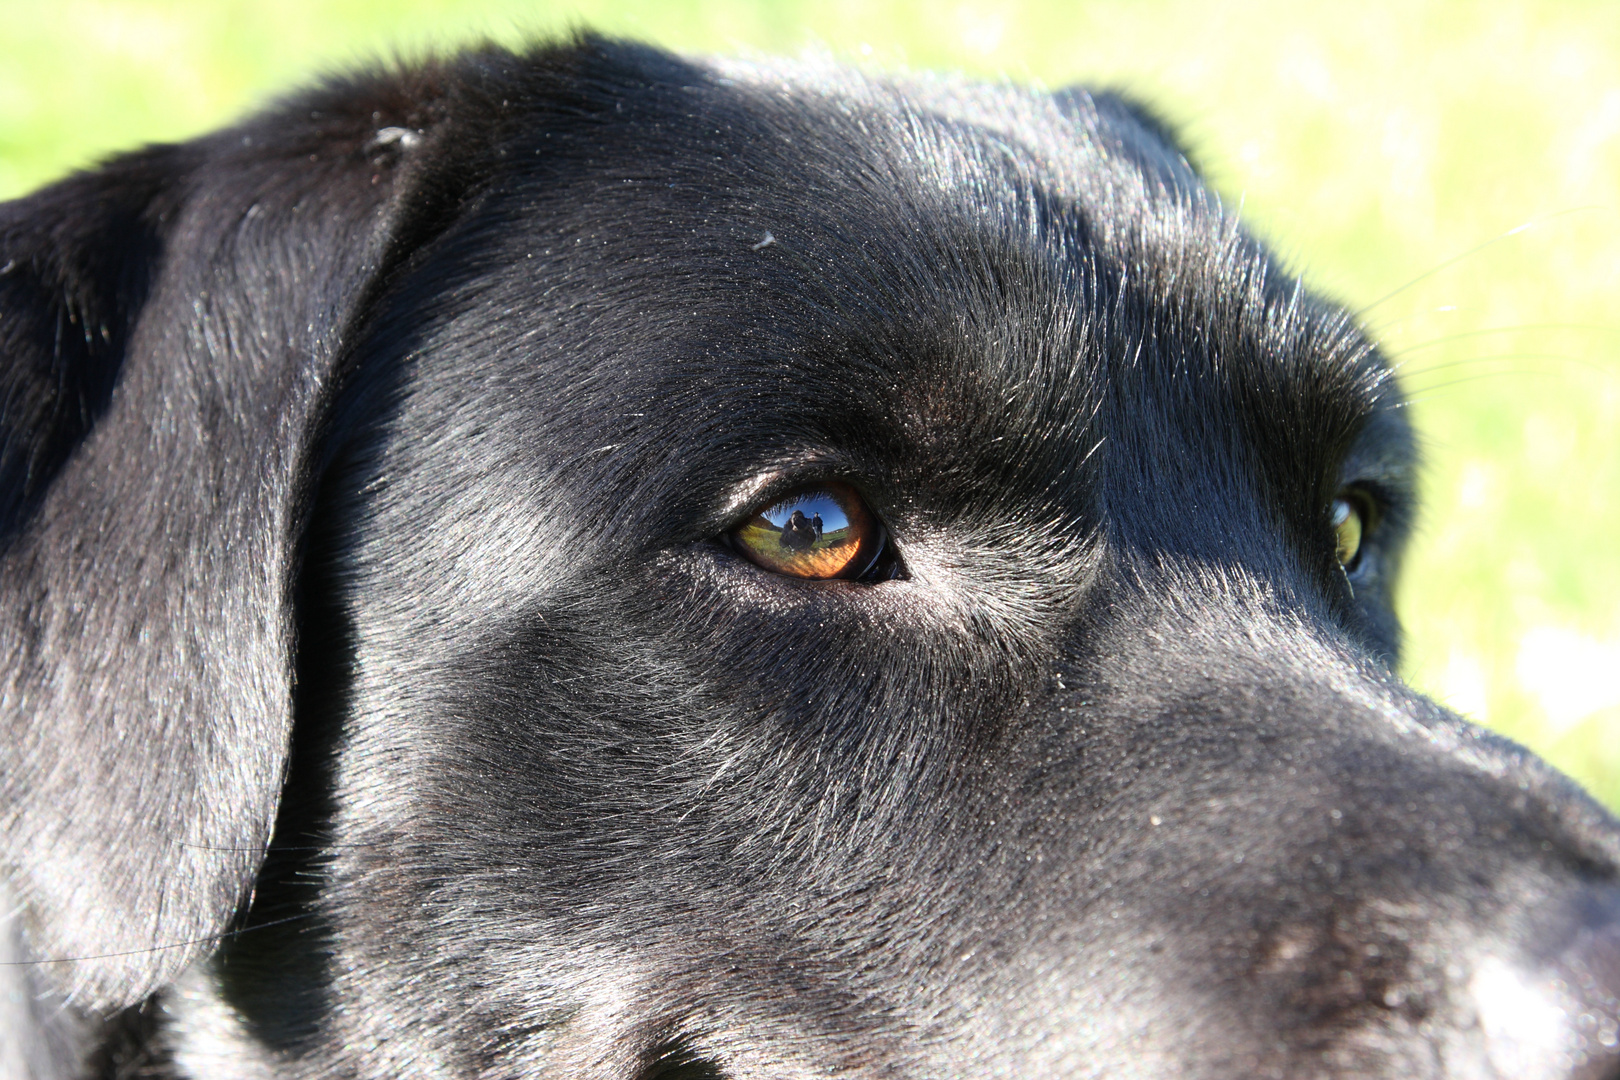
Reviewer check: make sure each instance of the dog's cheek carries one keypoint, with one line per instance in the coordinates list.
(660, 707)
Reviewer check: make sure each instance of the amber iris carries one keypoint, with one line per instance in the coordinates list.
(823, 531)
(1348, 525)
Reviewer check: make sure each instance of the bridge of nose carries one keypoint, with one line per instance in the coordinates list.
(1268, 852)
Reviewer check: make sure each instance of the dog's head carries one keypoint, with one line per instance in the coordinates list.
(733, 571)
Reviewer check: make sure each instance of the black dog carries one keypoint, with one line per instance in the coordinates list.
(391, 687)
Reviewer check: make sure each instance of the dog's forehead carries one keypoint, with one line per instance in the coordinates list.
(946, 279)
(976, 142)
(918, 195)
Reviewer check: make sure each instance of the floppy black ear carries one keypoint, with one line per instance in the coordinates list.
(170, 327)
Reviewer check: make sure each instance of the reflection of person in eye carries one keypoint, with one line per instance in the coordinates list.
(816, 521)
(798, 533)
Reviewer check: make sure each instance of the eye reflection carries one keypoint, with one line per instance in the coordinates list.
(820, 532)
(1348, 520)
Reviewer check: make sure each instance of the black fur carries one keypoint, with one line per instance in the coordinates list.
(382, 698)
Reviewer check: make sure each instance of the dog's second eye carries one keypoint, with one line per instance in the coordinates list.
(1348, 521)
(823, 531)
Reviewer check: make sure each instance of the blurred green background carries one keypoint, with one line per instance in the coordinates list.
(1450, 170)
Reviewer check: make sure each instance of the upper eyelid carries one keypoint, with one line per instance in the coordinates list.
(750, 494)
(772, 485)
(792, 484)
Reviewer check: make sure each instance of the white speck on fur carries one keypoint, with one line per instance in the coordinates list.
(388, 136)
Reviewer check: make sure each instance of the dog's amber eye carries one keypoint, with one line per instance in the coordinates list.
(1348, 524)
(823, 531)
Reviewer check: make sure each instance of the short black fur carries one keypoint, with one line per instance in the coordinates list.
(383, 697)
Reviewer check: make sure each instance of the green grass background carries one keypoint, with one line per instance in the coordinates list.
(1451, 170)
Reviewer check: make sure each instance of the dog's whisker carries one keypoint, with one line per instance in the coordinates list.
(1555, 363)
(209, 939)
(1429, 392)
(1441, 267)
(1405, 349)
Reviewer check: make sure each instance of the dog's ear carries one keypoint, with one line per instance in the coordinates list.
(170, 327)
